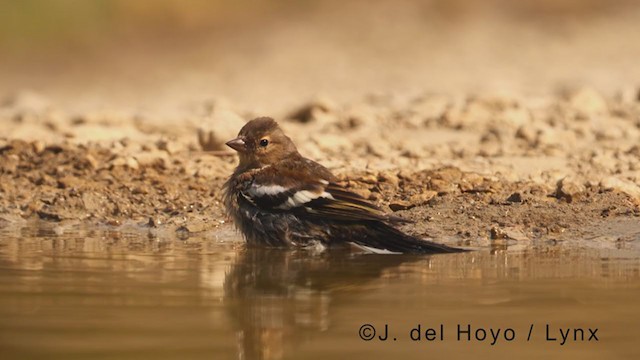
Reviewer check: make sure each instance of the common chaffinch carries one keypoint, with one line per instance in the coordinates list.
(279, 198)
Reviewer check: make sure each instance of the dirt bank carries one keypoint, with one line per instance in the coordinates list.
(473, 171)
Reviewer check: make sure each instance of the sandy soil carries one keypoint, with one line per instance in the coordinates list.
(472, 171)
(488, 130)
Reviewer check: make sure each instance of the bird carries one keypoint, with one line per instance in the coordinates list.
(278, 198)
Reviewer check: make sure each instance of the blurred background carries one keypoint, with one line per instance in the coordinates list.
(266, 56)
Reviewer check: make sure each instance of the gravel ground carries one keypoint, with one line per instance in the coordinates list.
(470, 171)
(506, 124)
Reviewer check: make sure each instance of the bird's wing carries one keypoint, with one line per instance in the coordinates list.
(342, 204)
(309, 191)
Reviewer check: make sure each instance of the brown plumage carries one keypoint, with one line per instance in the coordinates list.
(276, 197)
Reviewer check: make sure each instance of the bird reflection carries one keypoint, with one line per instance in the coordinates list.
(280, 298)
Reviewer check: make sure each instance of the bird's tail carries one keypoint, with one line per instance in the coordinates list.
(384, 238)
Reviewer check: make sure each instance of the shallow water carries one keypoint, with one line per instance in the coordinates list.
(130, 295)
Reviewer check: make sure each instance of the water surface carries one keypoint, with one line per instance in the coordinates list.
(104, 294)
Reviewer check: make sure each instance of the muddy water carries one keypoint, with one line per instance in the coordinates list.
(102, 294)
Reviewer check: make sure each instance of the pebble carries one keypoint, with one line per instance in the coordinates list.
(318, 110)
(149, 158)
(625, 186)
(588, 103)
(516, 197)
(422, 198)
(569, 189)
(398, 205)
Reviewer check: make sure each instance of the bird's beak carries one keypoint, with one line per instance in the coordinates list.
(237, 144)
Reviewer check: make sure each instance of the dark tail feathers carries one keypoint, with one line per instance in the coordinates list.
(380, 236)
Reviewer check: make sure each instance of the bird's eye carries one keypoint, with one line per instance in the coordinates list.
(264, 142)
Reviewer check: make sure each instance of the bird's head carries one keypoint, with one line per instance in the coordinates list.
(261, 142)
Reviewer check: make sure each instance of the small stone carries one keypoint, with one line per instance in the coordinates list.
(313, 111)
(422, 198)
(139, 190)
(132, 163)
(389, 177)
(68, 182)
(471, 182)
(609, 130)
(398, 205)
(363, 192)
(91, 161)
(449, 174)
(171, 147)
(113, 222)
(368, 179)
(516, 197)
(38, 146)
(588, 103)
(129, 162)
(568, 189)
(10, 164)
(497, 233)
(625, 186)
(222, 124)
(49, 216)
(528, 134)
(152, 223)
(375, 196)
(442, 186)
